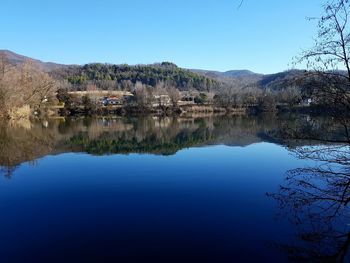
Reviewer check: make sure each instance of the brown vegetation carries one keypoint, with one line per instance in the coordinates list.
(23, 89)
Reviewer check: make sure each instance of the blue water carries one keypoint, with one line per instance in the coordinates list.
(202, 204)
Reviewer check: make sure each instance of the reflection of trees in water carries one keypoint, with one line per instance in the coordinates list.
(18, 144)
(7, 171)
(316, 198)
(157, 135)
(169, 135)
(144, 135)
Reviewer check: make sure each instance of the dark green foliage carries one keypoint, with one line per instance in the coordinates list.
(201, 98)
(77, 80)
(87, 104)
(63, 96)
(146, 74)
(150, 144)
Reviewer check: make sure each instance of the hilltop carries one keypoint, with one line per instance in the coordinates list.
(17, 59)
(109, 76)
(118, 76)
(239, 74)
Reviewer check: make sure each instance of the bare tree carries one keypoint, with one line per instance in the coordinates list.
(329, 62)
(331, 49)
(143, 95)
(316, 198)
(174, 95)
(23, 87)
(291, 96)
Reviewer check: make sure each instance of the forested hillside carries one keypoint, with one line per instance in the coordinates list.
(124, 77)
(281, 80)
(107, 76)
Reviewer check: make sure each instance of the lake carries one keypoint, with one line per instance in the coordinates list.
(161, 189)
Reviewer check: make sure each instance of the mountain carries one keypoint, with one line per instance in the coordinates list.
(246, 78)
(110, 76)
(184, 79)
(232, 78)
(17, 59)
(240, 74)
(281, 80)
(228, 74)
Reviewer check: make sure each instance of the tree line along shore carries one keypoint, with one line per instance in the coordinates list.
(30, 87)
(26, 89)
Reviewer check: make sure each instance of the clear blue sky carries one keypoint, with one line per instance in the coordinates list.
(263, 35)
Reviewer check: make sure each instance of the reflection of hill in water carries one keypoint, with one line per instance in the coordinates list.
(153, 135)
(149, 135)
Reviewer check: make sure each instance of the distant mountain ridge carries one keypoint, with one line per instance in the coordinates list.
(17, 59)
(240, 73)
(228, 74)
(234, 78)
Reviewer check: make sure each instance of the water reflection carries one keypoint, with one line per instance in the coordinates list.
(227, 190)
(100, 136)
(316, 197)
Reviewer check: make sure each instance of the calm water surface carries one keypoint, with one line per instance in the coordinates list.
(145, 190)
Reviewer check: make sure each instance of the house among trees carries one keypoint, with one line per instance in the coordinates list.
(111, 100)
(195, 97)
(114, 100)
